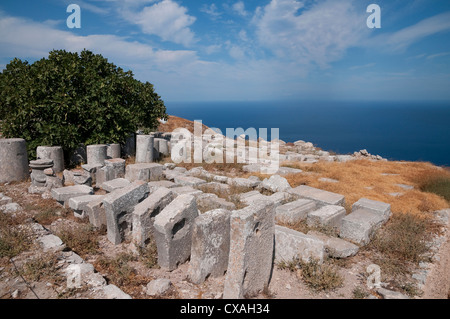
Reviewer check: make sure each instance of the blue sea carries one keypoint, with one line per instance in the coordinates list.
(411, 131)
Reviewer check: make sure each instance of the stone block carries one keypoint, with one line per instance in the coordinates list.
(117, 165)
(291, 244)
(51, 243)
(283, 171)
(145, 148)
(321, 197)
(251, 197)
(206, 202)
(115, 184)
(360, 225)
(144, 172)
(294, 212)
(96, 154)
(243, 182)
(215, 187)
(173, 231)
(183, 190)
(210, 245)
(188, 180)
(158, 287)
(113, 151)
(336, 247)
(145, 212)
(158, 184)
(251, 250)
(275, 183)
(118, 207)
(54, 153)
(326, 216)
(376, 207)
(63, 194)
(79, 204)
(96, 212)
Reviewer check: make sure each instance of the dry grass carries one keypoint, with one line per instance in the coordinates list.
(82, 239)
(43, 267)
(363, 178)
(14, 237)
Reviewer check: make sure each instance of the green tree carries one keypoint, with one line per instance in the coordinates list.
(70, 99)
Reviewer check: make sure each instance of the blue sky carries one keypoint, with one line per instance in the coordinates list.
(249, 50)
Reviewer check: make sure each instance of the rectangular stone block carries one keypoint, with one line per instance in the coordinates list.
(291, 244)
(206, 202)
(118, 207)
(321, 197)
(63, 194)
(243, 182)
(336, 247)
(294, 212)
(360, 225)
(173, 231)
(251, 250)
(145, 212)
(115, 184)
(326, 216)
(96, 212)
(79, 204)
(158, 184)
(377, 207)
(188, 180)
(210, 245)
(183, 190)
(251, 197)
(144, 172)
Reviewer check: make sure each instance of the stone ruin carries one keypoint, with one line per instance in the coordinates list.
(150, 201)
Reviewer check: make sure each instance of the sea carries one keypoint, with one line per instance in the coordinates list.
(410, 131)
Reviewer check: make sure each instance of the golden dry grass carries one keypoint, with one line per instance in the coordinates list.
(364, 178)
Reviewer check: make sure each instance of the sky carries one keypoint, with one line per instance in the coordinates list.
(233, 50)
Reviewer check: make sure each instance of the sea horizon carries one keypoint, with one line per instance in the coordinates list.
(396, 130)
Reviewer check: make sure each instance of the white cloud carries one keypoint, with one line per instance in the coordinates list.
(211, 10)
(239, 8)
(437, 55)
(166, 19)
(318, 34)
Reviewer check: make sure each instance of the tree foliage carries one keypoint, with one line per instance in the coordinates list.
(70, 99)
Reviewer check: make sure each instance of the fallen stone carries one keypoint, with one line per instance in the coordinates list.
(291, 245)
(115, 184)
(215, 187)
(336, 247)
(158, 184)
(275, 183)
(145, 212)
(14, 160)
(220, 179)
(251, 197)
(376, 207)
(79, 204)
(117, 165)
(51, 243)
(118, 207)
(10, 208)
(114, 292)
(188, 180)
(96, 154)
(389, 294)
(210, 245)
(405, 187)
(96, 212)
(206, 202)
(242, 182)
(144, 172)
(321, 197)
(183, 190)
(251, 246)
(63, 194)
(283, 171)
(5, 200)
(173, 231)
(294, 212)
(158, 287)
(280, 198)
(360, 225)
(326, 216)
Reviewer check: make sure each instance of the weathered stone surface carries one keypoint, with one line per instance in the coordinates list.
(117, 165)
(210, 245)
(183, 190)
(5, 200)
(220, 179)
(79, 204)
(243, 182)
(206, 202)
(145, 212)
(280, 198)
(63, 194)
(327, 216)
(54, 153)
(118, 207)
(389, 294)
(158, 184)
(275, 183)
(158, 287)
(13, 160)
(336, 247)
(96, 212)
(328, 180)
(251, 246)
(113, 151)
(145, 148)
(144, 172)
(188, 180)
(38, 177)
(321, 197)
(215, 187)
(173, 231)
(377, 207)
(96, 154)
(77, 177)
(10, 208)
(51, 243)
(114, 292)
(359, 226)
(295, 211)
(288, 171)
(251, 197)
(115, 184)
(291, 244)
